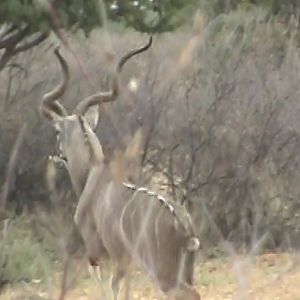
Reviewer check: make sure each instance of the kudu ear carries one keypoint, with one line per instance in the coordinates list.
(126, 166)
(133, 157)
(92, 116)
(117, 166)
(135, 149)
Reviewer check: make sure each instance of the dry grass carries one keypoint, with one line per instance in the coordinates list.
(269, 276)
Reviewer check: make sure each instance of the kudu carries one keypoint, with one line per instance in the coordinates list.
(133, 224)
(72, 132)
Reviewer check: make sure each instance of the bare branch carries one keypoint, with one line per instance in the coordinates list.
(7, 29)
(12, 164)
(4, 59)
(14, 39)
(30, 44)
(10, 44)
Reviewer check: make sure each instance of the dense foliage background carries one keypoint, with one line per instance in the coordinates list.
(25, 24)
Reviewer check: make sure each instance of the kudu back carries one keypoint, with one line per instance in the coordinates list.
(138, 226)
(133, 224)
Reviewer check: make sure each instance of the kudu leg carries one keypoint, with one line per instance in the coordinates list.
(127, 286)
(98, 273)
(115, 282)
(63, 288)
(74, 246)
(184, 292)
(95, 273)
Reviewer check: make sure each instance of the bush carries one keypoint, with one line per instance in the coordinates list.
(22, 256)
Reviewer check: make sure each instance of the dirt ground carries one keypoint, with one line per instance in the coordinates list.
(269, 276)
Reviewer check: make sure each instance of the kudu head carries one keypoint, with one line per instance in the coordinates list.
(78, 145)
